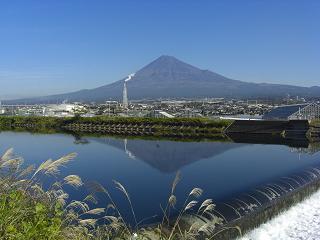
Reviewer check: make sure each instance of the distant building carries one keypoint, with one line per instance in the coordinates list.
(62, 110)
(2, 110)
(159, 114)
(291, 112)
(241, 117)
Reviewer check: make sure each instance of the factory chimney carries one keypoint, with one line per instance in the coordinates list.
(125, 103)
(125, 96)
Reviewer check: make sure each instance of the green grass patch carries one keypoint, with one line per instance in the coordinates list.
(22, 217)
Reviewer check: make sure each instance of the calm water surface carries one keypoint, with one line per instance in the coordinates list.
(147, 167)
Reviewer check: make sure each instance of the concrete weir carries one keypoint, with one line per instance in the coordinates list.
(286, 128)
(259, 206)
(299, 222)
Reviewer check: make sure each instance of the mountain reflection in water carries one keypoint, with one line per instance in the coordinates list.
(170, 156)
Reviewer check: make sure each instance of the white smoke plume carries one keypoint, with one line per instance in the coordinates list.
(129, 77)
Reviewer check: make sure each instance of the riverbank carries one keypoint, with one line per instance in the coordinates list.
(28, 210)
(133, 150)
(176, 128)
(48, 214)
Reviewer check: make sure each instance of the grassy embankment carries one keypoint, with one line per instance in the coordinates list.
(33, 124)
(28, 211)
(314, 131)
(315, 123)
(190, 127)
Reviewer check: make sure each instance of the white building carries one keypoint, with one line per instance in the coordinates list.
(62, 110)
(2, 110)
(159, 114)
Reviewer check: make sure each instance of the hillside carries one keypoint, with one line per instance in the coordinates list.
(168, 77)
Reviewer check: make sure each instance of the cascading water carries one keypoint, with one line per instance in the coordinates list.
(302, 221)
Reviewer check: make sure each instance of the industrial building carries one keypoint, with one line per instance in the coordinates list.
(62, 110)
(309, 111)
(2, 110)
(159, 114)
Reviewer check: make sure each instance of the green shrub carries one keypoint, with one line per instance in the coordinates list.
(23, 218)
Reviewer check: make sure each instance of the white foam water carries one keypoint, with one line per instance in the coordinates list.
(302, 221)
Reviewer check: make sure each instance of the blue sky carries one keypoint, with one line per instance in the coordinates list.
(64, 45)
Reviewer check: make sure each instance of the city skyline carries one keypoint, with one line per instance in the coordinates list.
(56, 47)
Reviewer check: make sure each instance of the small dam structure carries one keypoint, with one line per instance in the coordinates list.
(285, 128)
(250, 209)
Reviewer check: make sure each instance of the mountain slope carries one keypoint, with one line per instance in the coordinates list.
(168, 77)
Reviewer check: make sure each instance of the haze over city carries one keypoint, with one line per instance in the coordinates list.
(50, 47)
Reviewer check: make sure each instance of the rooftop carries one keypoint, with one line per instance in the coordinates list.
(283, 112)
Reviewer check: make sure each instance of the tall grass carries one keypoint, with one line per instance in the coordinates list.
(30, 211)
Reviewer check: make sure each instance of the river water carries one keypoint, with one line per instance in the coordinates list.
(224, 170)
